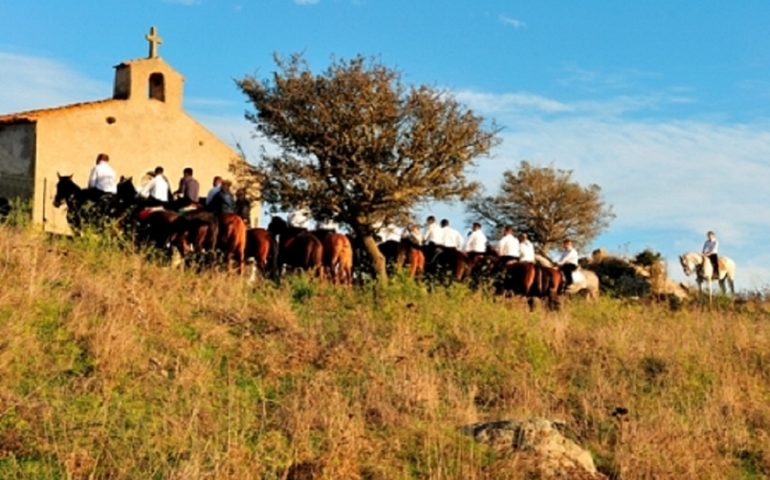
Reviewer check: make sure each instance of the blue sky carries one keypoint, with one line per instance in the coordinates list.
(663, 104)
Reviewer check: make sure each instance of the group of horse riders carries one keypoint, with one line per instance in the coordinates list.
(436, 237)
(157, 191)
(439, 236)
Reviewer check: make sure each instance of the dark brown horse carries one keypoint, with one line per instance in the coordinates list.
(84, 206)
(154, 227)
(404, 252)
(532, 281)
(445, 264)
(338, 258)
(232, 240)
(196, 234)
(263, 249)
(297, 248)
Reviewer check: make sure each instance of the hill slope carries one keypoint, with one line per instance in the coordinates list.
(115, 367)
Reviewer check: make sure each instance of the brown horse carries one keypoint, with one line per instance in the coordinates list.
(532, 281)
(232, 240)
(196, 231)
(262, 247)
(338, 258)
(155, 227)
(297, 248)
(404, 252)
(445, 263)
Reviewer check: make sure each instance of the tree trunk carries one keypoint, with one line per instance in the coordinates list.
(378, 261)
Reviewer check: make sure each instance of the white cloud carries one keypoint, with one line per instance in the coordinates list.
(680, 177)
(30, 82)
(306, 2)
(669, 180)
(499, 103)
(512, 22)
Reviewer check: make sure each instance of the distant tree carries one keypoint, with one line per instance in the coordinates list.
(547, 204)
(358, 146)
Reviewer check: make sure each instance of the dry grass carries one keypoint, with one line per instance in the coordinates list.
(114, 367)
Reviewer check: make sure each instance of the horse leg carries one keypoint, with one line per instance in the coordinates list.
(710, 291)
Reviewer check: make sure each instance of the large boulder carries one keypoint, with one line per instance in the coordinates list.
(641, 276)
(556, 456)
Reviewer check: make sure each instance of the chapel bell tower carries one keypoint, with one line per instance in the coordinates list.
(149, 79)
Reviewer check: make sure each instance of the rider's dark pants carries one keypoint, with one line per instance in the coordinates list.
(567, 269)
(715, 263)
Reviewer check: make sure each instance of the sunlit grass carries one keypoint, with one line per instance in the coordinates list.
(116, 367)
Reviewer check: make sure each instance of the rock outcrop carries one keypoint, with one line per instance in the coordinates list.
(555, 455)
(634, 278)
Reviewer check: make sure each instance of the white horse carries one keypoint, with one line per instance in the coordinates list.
(584, 282)
(699, 264)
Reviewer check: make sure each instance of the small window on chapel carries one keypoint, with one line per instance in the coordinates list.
(157, 87)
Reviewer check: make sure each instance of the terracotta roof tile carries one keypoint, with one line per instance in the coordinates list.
(32, 115)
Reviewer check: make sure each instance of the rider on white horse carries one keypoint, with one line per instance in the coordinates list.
(568, 262)
(711, 251)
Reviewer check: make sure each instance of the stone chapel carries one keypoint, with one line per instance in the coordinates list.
(142, 126)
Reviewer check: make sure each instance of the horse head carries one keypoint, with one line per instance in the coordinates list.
(66, 189)
(688, 263)
(277, 225)
(126, 189)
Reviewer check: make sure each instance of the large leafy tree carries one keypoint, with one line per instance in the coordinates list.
(547, 204)
(360, 147)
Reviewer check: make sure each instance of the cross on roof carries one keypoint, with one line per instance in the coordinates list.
(154, 40)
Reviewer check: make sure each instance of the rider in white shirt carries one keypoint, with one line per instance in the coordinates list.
(711, 251)
(330, 225)
(156, 190)
(299, 218)
(390, 232)
(412, 234)
(102, 176)
(568, 262)
(477, 241)
(526, 249)
(508, 248)
(451, 238)
(433, 232)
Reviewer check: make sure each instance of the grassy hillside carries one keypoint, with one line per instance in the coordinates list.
(114, 367)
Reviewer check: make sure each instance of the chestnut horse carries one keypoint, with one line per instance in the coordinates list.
(232, 239)
(262, 248)
(532, 281)
(338, 258)
(297, 248)
(404, 252)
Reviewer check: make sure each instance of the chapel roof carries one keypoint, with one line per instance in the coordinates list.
(33, 115)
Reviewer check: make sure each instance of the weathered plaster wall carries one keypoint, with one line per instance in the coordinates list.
(138, 135)
(17, 151)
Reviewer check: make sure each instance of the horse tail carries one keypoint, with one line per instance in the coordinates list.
(212, 236)
(239, 242)
(330, 255)
(272, 257)
(314, 255)
(346, 261)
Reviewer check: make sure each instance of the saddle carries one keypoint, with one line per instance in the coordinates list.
(187, 209)
(146, 212)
